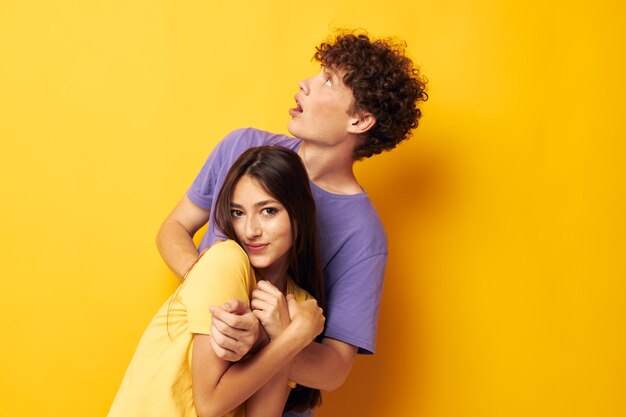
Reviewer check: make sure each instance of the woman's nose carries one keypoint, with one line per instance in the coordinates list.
(253, 228)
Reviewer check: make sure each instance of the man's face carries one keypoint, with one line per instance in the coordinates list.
(323, 112)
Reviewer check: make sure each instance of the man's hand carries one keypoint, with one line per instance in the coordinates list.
(270, 307)
(235, 330)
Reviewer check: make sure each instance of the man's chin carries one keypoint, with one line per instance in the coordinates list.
(293, 131)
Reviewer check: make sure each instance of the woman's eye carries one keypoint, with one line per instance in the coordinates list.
(236, 213)
(270, 211)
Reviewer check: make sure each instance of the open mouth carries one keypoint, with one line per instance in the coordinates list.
(296, 110)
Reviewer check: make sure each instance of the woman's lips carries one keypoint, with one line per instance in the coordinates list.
(257, 247)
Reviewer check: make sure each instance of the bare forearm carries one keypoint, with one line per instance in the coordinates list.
(271, 398)
(176, 246)
(244, 378)
(324, 366)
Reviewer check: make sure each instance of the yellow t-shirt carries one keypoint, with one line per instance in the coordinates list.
(158, 379)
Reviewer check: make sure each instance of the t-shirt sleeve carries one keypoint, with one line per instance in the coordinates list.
(203, 189)
(221, 274)
(205, 186)
(353, 304)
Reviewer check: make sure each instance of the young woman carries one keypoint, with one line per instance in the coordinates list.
(266, 213)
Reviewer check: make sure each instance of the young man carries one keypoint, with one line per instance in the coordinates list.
(363, 101)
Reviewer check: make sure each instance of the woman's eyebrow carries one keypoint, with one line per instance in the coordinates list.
(265, 203)
(257, 204)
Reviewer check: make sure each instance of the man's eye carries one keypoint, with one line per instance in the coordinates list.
(328, 82)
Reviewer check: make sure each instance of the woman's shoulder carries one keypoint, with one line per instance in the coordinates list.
(223, 252)
(227, 248)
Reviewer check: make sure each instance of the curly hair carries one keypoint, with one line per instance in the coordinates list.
(384, 82)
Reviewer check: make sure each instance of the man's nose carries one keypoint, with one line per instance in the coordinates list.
(304, 85)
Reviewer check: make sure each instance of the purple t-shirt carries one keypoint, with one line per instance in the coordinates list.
(352, 241)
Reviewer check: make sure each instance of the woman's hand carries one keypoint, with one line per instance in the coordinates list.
(306, 317)
(270, 307)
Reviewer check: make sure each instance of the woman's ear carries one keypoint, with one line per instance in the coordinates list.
(361, 122)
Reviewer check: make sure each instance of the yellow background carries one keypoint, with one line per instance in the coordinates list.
(505, 291)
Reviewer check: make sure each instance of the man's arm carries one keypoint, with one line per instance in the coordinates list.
(325, 365)
(175, 237)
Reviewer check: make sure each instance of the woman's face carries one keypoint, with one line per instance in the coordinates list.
(263, 227)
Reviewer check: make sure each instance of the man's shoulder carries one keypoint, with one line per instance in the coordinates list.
(366, 225)
(248, 137)
(351, 222)
(355, 211)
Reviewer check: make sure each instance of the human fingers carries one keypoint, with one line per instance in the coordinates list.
(239, 337)
(261, 304)
(225, 329)
(268, 287)
(265, 312)
(270, 308)
(274, 307)
(269, 302)
(258, 294)
(268, 313)
(225, 342)
(260, 314)
(266, 291)
(237, 321)
(271, 324)
(221, 352)
(235, 307)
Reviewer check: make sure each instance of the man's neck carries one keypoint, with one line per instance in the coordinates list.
(330, 169)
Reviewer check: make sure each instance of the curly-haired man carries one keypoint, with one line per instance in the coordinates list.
(362, 102)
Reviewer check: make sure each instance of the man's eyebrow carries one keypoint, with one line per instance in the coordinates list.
(334, 74)
(329, 70)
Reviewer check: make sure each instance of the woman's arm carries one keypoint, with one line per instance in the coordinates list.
(270, 399)
(219, 386)
(270, 308)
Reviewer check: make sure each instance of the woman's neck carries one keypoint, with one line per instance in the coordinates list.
(277, 278)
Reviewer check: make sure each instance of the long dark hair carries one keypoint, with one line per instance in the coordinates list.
(281, 173)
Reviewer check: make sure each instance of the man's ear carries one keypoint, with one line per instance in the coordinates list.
(361, 122)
